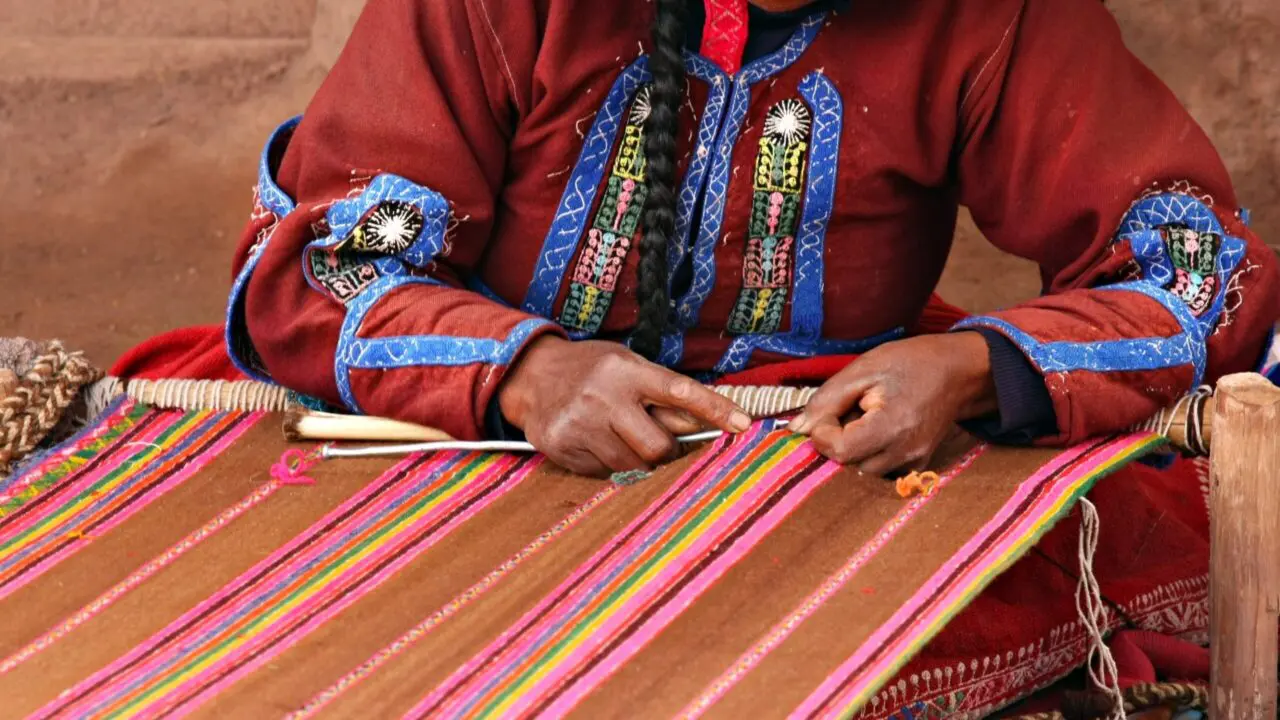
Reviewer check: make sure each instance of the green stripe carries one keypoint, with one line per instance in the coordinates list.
(124, 468)
(460, 477)
(76, 460)
(740, 477)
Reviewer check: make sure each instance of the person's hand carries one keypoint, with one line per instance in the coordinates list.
(590, 406)
(891, 408)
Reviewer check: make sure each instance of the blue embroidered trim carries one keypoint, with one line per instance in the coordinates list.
(819, 200)
(695, 176)
(278, 202)
(739, 353)
(356, 353)
(580, 192)
(689, 307)
(1154, 353)
(1140, 229)
(802, 340)
(272, 197)
(345, 215)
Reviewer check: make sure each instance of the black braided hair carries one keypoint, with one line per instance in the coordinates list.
(666, 64)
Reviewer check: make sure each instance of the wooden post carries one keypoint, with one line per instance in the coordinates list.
(1244, 564)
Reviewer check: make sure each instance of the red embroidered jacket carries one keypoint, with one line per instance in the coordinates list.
(471, 176)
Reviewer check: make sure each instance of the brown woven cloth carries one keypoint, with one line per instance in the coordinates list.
(38, 384)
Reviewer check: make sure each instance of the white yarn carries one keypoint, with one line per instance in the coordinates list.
(1093, 613)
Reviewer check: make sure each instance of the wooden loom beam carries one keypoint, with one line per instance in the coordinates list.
(1244, 563)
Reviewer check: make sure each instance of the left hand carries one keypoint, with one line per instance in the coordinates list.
(911, 393)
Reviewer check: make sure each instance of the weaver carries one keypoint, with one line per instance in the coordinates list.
(509, 225)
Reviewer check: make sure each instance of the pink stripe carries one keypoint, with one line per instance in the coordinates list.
(404, 642)
(357, 587)
(677, 567)
(237, 585)
(143, 574)
(890, 653)
(686, 597)
(554, 626)
(495, 649)
(193, 465)
(825, 592)
(79, 484)
(60, 456)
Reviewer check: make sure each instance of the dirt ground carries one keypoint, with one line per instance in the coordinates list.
(126, 166)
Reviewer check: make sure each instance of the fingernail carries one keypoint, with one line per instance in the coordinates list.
(799, 424)
(740, 421)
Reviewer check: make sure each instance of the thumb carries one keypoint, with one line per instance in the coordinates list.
(835, 399)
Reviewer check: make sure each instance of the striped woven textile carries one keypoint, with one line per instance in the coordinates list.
(154, 566)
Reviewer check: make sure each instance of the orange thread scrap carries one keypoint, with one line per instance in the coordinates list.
(916, 483)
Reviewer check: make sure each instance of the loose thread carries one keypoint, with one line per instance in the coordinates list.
(1093, 613)
(294, 463)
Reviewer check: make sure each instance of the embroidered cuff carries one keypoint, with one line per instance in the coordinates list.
(1122, 355)
(1025, 407)
(496, 426)
(386, 353)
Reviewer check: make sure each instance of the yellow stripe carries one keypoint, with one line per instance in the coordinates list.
(53, 522)
(1138, 447)
(548, 663)
(265, 621)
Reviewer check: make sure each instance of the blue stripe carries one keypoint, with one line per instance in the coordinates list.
(270, 193)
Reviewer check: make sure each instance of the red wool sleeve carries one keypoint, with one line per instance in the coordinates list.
(1074, 155)
(353, 276)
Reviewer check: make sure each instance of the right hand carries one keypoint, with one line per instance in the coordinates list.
(590, 406)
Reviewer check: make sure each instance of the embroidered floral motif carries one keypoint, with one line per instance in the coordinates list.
(342, 274)
(1194, 257)
(390, 229)
(613, 232)
(938, 708)
(775, 216)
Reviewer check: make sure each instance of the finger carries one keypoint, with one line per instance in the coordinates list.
(895, 463)
(857, 441)
(836, 398)
(648, 440)
(578, 462)
(614, 453)
(663, 387)
(676, 422)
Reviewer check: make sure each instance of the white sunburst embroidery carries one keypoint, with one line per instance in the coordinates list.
(642, 107)
(392, 228)
(788, 121)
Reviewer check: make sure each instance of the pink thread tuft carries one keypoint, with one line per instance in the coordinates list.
(289, 470)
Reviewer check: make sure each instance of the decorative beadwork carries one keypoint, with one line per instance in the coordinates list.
(613, 232)
(1194, 257)
(343, 274)
(1180, 245)
(775, 215)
